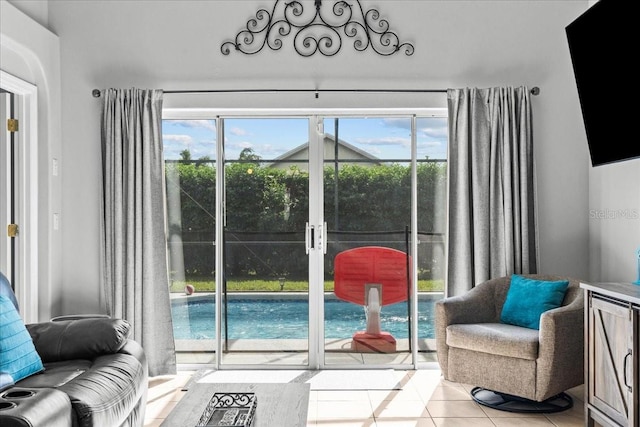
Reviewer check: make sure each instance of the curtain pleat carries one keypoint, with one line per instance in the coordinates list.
(492, 214)
(133, 229)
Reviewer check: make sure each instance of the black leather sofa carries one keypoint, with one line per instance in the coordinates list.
(94, 376)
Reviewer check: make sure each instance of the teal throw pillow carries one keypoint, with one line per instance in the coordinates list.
(18, 356)
(527, 299)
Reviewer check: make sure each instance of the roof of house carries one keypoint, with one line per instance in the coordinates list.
(327, 138)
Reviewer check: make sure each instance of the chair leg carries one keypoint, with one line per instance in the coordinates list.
(510, 403)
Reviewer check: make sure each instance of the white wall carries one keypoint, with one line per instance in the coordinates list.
(176, 45)
(614, 221)
(36, 10)
(30, 52)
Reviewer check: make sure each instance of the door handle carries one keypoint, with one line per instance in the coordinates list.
(316, 240)
(624, 370)
(309, 238)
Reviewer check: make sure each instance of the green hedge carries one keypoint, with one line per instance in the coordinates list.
(267, 209)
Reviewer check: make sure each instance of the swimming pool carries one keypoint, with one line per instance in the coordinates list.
(194, 317)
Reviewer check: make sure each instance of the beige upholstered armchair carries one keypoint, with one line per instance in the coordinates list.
(475, 348)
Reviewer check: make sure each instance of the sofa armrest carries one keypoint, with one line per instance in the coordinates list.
(134, 349)
(561, 348)
(476, 306)
(78, 339)
(110, 391)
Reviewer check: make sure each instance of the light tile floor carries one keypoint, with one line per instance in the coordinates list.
(426, 400)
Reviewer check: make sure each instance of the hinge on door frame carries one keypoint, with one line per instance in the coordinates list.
(12, 125)
(12, 230)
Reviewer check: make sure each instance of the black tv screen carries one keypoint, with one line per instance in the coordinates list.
(602, 46)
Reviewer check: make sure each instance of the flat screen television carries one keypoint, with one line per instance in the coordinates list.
(602, 46)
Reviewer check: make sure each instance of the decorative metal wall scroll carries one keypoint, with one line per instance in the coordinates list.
(319, 31)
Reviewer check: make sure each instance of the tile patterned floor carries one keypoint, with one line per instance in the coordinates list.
(426, 400)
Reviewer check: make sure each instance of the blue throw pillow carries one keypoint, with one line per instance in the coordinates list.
(527, 299)
(18, 356)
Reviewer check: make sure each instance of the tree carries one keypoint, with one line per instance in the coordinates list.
(185, 156)
(248, 154)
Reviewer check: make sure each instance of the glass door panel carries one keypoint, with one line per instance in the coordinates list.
(190, 174)
(431, 182)
(265, 294)
(367, 206)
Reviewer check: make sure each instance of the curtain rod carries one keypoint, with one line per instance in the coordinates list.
(97, 93)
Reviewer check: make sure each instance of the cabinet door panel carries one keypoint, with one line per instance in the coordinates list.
(611, 343)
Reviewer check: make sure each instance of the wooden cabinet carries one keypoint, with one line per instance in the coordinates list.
(612, 380)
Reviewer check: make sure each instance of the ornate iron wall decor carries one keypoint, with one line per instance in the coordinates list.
(319, 31)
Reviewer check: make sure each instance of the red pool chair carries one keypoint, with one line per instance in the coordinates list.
(372, 276)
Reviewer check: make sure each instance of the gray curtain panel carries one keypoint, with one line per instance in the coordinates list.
(492, 213)
(133, 228)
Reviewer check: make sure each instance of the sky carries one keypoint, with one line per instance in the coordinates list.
(269, 138)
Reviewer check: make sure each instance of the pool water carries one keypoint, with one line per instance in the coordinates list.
(194, 318)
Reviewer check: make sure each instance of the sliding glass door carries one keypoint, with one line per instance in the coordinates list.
(367, 207)
(265, 288)
(271, 217)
